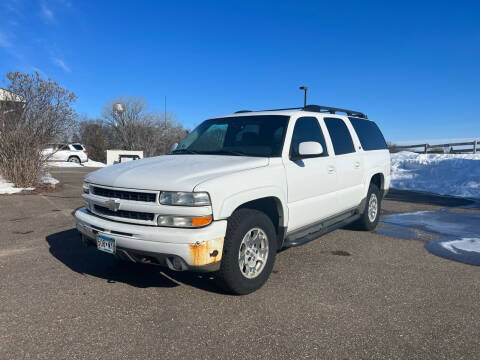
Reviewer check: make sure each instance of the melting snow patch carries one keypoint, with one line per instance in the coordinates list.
(456, 232)
(66, 164)
(444, 174)
(468, 244)
(9, 188)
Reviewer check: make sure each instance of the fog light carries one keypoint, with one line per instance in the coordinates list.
(177, 264)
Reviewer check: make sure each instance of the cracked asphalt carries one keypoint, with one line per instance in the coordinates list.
(347, 295)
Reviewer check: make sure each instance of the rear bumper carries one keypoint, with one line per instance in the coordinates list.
(196, 249)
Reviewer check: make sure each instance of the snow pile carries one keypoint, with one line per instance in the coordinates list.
(9, 188)
(96, 164)
(47, 178)
(444, 174)
(89, 163)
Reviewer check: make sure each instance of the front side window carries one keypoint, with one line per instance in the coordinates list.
(341, 138)
(260, 135)
(307, 129)
(369, 134)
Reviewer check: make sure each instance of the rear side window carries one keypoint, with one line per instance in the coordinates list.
(77, 147)
(341, 139)
(369, 134)
(307, 129)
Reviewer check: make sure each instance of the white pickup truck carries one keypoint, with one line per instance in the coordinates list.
(237, 189)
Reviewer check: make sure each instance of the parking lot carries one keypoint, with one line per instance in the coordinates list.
(347, 295)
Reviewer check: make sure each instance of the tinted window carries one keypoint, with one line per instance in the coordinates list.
(369, 134)
(307, 129)
(77, 147)
(260, 135)
(341, 139)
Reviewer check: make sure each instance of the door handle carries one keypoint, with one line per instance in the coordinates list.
(331, 169)
(357, 164)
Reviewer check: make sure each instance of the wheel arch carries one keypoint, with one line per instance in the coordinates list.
(269, 203)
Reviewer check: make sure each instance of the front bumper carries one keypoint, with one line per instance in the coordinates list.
(197, 249)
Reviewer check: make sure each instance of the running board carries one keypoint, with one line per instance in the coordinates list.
(312, 232)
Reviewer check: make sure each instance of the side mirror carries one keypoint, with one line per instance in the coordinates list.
(173, 147)
(310, 149)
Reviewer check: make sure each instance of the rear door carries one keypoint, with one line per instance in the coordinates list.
(311, 181)
(349, 163)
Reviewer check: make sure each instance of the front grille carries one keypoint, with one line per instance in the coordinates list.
(135, 215)
(125, 195)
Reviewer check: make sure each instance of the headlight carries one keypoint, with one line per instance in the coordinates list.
(184, 221)
(86, 188)
(184, 198)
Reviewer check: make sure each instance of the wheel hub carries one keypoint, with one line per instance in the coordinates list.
(253, 253)
(372, 207)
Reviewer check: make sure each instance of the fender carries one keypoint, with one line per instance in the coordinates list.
(231, 203)
(368, 179)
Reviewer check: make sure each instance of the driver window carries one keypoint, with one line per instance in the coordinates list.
(307, 129)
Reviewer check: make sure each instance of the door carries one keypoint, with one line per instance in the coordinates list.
(61, 153)
(311, 181)
(349, 164)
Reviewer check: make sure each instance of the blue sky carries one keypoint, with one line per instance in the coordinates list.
(414, 66)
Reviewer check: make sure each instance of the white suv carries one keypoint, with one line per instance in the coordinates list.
(75, 153)
(239, 188)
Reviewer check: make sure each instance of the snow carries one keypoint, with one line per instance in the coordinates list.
(89, 163)
(47, 178)
(9, 188)
(444, 174)
(465, 244)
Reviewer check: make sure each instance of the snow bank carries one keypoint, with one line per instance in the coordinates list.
(9, 188)
(89, 163)
(444, 174)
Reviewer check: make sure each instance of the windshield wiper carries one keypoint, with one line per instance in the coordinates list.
(184, 151)
(231, 152)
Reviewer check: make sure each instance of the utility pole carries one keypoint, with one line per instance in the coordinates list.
(165, 113)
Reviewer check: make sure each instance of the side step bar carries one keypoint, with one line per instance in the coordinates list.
(312, 232)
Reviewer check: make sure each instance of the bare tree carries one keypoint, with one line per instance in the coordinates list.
(137, 128)
(33, 112)
(91, 133)
(130, 127)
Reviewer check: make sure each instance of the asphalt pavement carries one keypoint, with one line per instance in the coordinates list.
(347, 295)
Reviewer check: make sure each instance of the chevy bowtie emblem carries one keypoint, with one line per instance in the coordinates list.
(112, 205)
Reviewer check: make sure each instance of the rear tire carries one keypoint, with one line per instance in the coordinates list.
(371, 213)
(249, 252)
(74, 159)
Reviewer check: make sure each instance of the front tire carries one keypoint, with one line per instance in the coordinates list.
(371, 214)
(249, 252)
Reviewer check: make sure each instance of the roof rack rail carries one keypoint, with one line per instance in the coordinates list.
(333, 110)
(316, 108)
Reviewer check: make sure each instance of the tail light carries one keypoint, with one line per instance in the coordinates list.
(85, 151)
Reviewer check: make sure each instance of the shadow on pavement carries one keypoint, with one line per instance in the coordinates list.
(427, 199)
(67, 248)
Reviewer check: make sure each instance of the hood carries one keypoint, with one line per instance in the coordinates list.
(172, 172)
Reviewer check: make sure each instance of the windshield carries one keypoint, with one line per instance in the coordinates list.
(260, 135)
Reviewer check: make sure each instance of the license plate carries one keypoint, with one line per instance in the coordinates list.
(105, 243)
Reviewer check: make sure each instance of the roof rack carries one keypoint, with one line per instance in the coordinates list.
(333, 110)
(316, 108)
